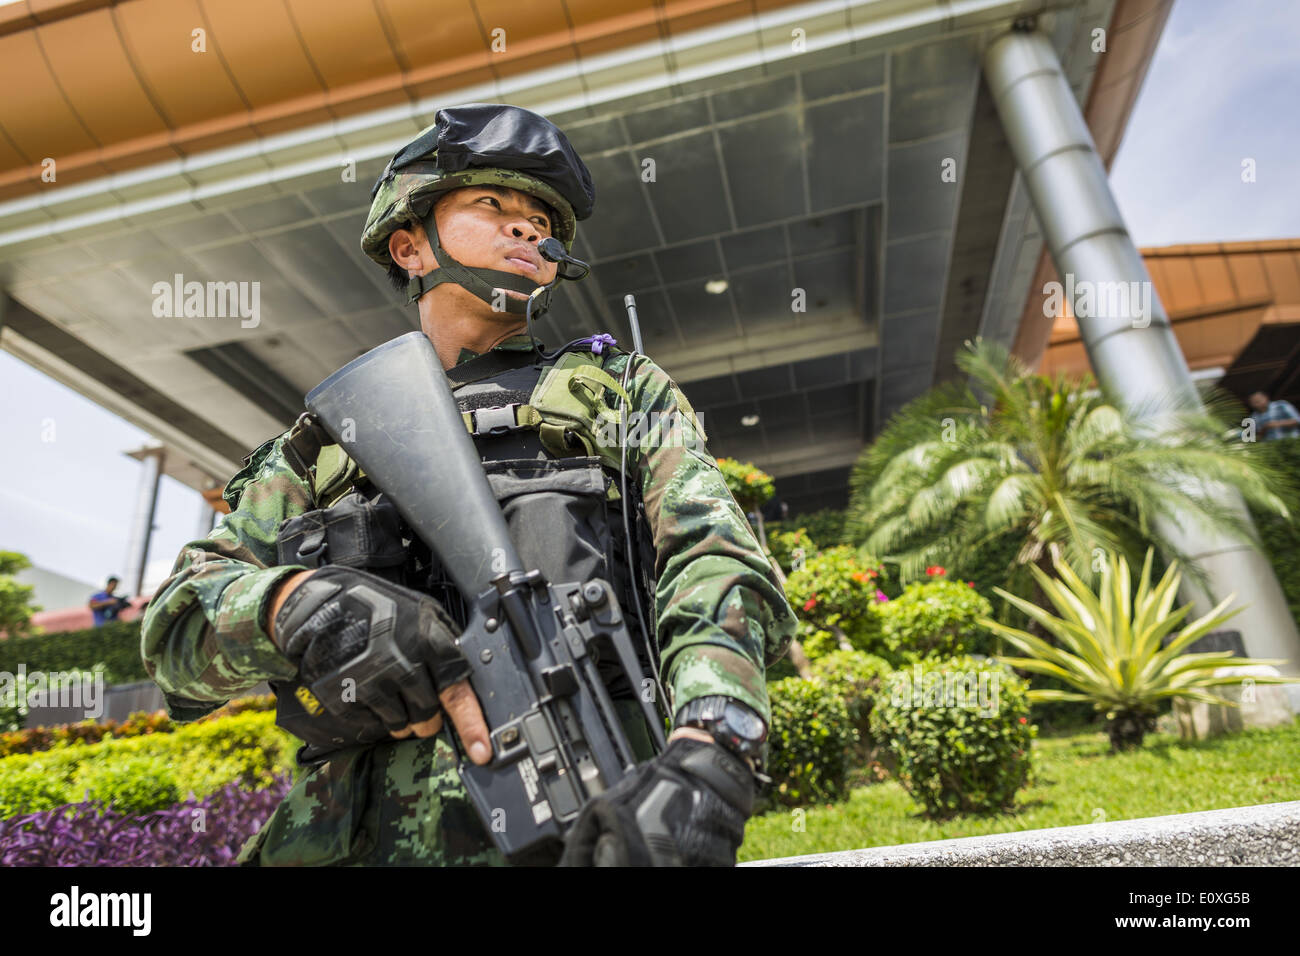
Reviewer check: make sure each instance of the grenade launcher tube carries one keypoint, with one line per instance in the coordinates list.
(392, 406)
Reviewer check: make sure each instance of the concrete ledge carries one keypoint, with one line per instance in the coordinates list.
(1267, 835)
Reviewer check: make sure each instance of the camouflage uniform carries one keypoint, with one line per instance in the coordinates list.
(721, 618)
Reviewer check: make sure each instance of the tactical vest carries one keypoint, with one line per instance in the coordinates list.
(539, 433)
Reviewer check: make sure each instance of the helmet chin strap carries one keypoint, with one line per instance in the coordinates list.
(483, 283)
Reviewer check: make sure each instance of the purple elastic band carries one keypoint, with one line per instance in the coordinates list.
(598, 342)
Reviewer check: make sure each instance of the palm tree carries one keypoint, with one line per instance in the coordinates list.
(1052, 462)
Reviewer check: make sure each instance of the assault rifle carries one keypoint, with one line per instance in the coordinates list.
(556, 738)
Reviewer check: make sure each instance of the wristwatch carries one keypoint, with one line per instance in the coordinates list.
(733, 725)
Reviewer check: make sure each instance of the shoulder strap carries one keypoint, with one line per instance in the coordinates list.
(487, 365)
(335, 473)
(302, 446)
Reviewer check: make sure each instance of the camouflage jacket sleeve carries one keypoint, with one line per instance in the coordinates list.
(203, 637)
(721, 615)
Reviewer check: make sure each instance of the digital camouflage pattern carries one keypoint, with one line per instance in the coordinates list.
(721, 619)
(406, 197)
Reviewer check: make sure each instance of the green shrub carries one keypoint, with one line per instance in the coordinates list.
(817, 644)
(791, 548)
(132, 785)
(30, 790)
(201, 757)
(933, 619)
(826, 526)
(808, 743)
(837, 588)
(960, 732)
(781, 669)
(16, 607)
(35, 739)
(249, 749)
(750, 486)
(857, 679)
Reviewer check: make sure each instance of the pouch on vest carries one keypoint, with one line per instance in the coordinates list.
(353, 532)
(570, 400)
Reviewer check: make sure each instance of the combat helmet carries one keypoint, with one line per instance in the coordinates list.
(472, 145)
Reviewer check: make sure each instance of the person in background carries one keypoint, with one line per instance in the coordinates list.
(105, 605)
(1274, 420)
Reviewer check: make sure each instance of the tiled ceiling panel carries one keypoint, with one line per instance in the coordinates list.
(932, 88)
(692, 260)
(763, 297)
(770, 189)
(754, 247)
(845, 163)
(658, 122)
(687, 192)
(622, 220)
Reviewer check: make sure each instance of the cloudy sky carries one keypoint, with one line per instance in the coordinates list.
(1222, 88)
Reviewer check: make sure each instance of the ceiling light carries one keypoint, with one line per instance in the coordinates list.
(749, 420)
(715, 286)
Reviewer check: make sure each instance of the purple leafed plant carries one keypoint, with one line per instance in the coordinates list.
(88, 834)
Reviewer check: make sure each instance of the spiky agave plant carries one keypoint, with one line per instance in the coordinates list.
(1111, 646)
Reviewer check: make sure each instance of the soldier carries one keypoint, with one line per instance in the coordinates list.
(456, 219)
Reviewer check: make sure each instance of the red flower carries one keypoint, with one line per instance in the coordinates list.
(970, 584)
(810, 604)
(935, 569)
(1024, 720)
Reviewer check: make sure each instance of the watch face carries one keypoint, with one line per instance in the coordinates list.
(746, 724)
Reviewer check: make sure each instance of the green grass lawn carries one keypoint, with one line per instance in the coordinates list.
(1075, 781)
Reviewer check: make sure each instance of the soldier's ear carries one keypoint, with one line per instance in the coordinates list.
(405, 246)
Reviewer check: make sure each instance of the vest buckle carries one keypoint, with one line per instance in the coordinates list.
(499, 420)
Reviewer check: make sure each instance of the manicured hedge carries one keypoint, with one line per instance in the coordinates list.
(116, 645)
(36, 739)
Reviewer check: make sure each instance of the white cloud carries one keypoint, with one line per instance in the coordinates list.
(1222, 87)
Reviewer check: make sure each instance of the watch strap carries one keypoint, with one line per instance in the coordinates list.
(709, 713)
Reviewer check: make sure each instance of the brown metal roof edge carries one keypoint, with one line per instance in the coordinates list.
(1187, 315)
(17, 17)
(389, 88)
(1221, 248)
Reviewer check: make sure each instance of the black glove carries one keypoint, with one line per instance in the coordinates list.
(398, 646)
(686, 807)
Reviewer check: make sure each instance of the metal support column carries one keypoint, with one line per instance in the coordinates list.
(1133, 352)
(207, 518)
(146, 505)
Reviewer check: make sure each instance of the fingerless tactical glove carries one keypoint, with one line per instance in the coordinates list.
(364, 644)
(686, 807)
